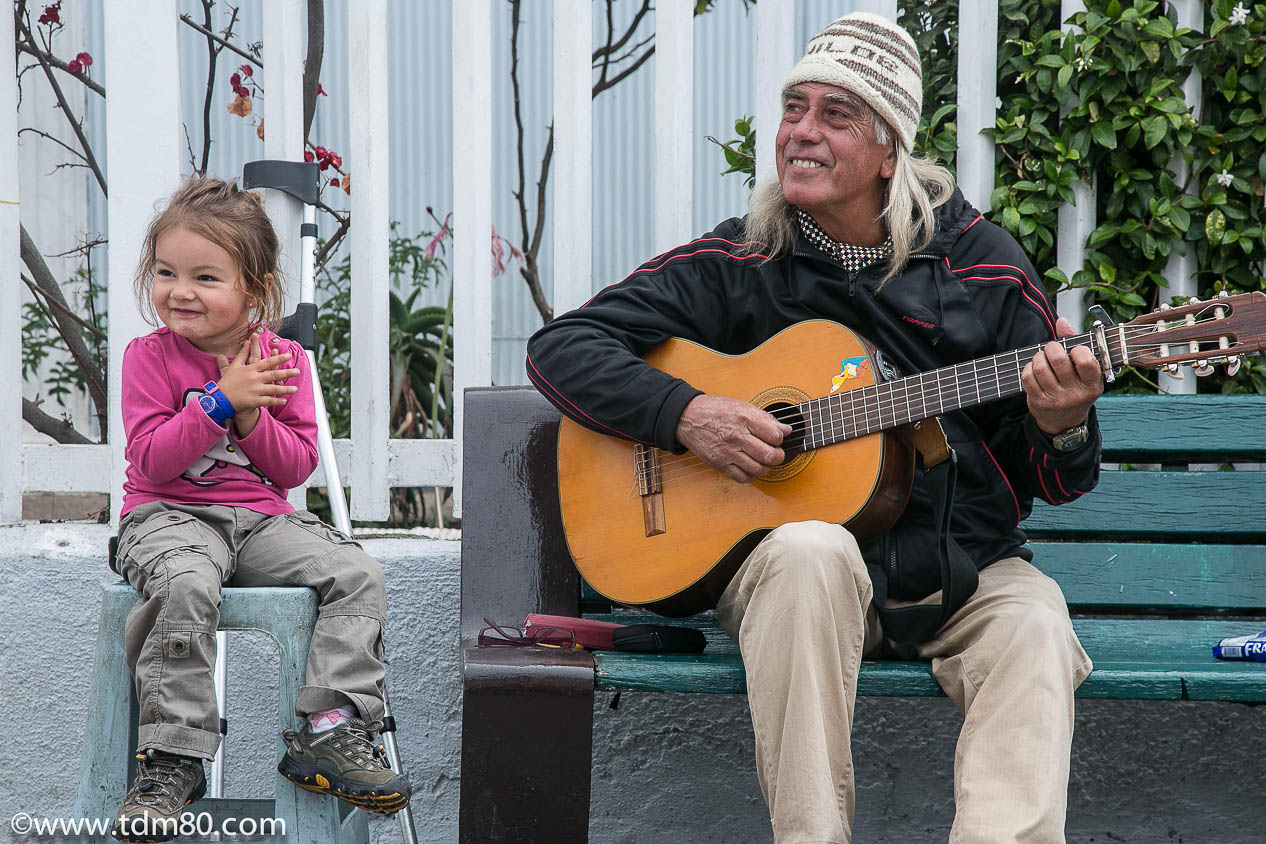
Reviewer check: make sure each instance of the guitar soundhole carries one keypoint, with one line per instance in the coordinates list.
(784, 404)
(789, 414)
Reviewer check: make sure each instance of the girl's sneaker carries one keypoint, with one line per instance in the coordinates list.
(347, 762)
(165, 784)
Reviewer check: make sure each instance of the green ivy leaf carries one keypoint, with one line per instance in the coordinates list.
(1214, 226)
(1104, 135)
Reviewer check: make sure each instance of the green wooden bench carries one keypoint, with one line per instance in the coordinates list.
(1157, 566)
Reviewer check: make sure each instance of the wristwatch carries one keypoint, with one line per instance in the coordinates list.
(215, 404)
(1071, 439)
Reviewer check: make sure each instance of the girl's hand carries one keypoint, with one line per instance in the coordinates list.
(253, 381)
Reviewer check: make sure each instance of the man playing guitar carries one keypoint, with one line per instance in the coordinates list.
(858, 231)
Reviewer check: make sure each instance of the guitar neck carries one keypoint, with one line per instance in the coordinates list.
(855, 413)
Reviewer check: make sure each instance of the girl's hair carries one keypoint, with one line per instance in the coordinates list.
(232, 219)
(916, 189)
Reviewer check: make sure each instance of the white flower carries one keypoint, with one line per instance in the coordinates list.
(1224, 179)
(1239, 15)
(1082, 63)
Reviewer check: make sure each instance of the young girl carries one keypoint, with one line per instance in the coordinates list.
(218, 412)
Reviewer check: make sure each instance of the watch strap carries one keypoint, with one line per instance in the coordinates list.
(219, 408)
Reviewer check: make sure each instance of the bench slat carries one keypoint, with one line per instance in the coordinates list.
(1182, 506)
(1152, 659)
(1130, 576)
(1182, 429)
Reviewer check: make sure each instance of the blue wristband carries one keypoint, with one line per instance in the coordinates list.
(216, 404)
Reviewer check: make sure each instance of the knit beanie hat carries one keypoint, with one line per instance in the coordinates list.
(873, 58)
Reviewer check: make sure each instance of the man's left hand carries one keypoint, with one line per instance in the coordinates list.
(1061, 386)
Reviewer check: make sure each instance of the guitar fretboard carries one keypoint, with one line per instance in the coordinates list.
(855, 413)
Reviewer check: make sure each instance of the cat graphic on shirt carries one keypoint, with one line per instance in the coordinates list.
(223, 461)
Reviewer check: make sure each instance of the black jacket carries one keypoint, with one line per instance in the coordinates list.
(971, 293)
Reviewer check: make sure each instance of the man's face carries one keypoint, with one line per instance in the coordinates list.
(827, 157)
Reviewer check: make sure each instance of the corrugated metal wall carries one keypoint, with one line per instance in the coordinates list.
(421, 142)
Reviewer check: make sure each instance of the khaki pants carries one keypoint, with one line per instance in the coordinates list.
(178, 556)
(800, 609)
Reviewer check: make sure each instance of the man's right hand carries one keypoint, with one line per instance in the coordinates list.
(735, 438)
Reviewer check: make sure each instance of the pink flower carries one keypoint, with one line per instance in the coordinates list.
(321, 91)
(308, 156)
(247, 70)
(336, 160)
(444, 232)
(74, 66)
(84, 59)
(52, 14)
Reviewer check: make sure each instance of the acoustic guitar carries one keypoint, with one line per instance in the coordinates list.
(649, 528)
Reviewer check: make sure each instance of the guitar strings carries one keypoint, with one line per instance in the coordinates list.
(836, 415)
(876, 412)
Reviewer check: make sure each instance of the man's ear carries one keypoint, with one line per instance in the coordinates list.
(889, 165)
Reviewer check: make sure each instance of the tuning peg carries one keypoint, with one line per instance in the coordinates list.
(1193, 301)
(1165, 306)
(1234, 365)
(1174, 371)
(1222, 294)
(1202, 368)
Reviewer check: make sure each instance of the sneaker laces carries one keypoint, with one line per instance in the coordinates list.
(158, 777)
(355, 740)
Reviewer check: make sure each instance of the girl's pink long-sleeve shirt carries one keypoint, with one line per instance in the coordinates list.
(177, 453)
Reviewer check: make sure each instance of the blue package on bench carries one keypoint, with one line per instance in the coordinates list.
(1242, 647)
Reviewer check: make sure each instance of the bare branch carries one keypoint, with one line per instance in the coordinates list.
(57, 141)
(193, 162)
(251, 57)
(530, 245)
(604, 83)
(69, 331)
(312, 65)
(65, 107)
(344, 223)
(63, 308)
(32, 50)
(612, 46)
(58, 429)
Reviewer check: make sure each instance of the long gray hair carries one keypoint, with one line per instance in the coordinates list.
(916, 189)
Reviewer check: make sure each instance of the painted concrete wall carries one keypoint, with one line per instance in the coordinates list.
(668, 768)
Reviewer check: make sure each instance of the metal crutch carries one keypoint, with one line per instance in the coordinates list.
(300, 180)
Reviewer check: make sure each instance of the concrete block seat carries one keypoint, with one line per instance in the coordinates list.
(107, 761)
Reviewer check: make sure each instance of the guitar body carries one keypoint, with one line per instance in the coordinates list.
(671, 538)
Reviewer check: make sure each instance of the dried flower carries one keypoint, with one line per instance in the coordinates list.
(240, 106)
(52, 14)
(247, 70)
(321, 91)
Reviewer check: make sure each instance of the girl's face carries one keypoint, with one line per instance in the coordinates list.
(199, 293)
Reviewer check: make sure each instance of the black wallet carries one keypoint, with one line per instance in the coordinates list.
(658, 638)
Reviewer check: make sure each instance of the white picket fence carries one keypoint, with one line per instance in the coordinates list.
(145, 144)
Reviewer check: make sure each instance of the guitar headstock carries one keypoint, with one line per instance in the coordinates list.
(1202, 333)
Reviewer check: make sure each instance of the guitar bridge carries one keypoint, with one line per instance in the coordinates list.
(650, 486)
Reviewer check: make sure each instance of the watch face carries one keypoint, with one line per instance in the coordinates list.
(207, 403)
(1072, 439)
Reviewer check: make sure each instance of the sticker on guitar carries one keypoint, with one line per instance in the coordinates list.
(850, 368)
